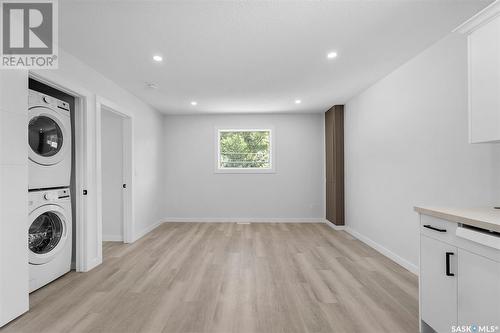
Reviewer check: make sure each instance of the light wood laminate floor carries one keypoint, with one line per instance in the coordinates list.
(227, 277)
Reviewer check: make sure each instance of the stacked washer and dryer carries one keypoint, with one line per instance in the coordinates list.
(49, 168)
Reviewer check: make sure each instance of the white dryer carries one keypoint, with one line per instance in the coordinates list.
(49, 236)
(49, 138)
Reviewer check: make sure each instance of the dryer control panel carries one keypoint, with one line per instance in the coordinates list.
(37, 98)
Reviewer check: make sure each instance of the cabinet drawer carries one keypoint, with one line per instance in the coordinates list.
(438, 229)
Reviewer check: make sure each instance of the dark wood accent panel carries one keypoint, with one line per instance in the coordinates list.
(334, 146)
(329, 145)
(330, 198)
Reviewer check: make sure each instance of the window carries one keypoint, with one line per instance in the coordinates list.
(244, 150)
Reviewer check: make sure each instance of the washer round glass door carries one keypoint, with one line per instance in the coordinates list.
(46, 234)
(47, 136)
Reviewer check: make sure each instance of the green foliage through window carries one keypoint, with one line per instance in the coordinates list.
(245, 149)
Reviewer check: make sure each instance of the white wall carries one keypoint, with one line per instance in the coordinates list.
(148, 125)
(13, 194)
(112, 180)
(194, 191)
(406, 145)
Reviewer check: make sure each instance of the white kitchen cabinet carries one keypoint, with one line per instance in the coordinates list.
(459, 280)
(478, 289)
(484, 85)
(483, 32)
(438, 289)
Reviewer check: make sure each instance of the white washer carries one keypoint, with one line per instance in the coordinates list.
(49, 139)
(49, 236)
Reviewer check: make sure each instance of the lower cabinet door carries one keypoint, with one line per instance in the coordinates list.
(478, 290)
(438, 283)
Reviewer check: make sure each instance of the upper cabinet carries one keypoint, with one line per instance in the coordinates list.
(483, 33)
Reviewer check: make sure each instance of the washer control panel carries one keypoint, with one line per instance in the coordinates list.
(51, 196)
(47, 196)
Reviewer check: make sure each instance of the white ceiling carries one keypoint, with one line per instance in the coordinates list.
(253, 56)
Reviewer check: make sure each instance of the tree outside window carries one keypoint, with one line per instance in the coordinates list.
(244, 149)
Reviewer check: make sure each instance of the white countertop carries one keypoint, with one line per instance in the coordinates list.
(481, 217)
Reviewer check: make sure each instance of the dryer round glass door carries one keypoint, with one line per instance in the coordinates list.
(45, 136)
(49, 136)
(45, 233)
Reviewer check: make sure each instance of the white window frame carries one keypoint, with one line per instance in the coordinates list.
(271, 169)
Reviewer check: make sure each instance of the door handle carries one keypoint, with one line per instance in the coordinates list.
(448, 255)
(428, 226)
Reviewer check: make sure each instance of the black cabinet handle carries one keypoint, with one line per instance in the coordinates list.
(448, 273)
(428, 226)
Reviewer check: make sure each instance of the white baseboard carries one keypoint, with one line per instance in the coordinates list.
(388, 253)
(139, 234)
(333, 226)
(242, 220)
(112, 238)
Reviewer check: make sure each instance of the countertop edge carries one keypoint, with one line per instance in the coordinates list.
(458, 219)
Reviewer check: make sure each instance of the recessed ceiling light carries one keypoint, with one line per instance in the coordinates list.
(331, 55)
(298, 101)
(194, 103)
(157, 58)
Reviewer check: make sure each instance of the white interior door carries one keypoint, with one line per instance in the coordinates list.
(112, 175)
